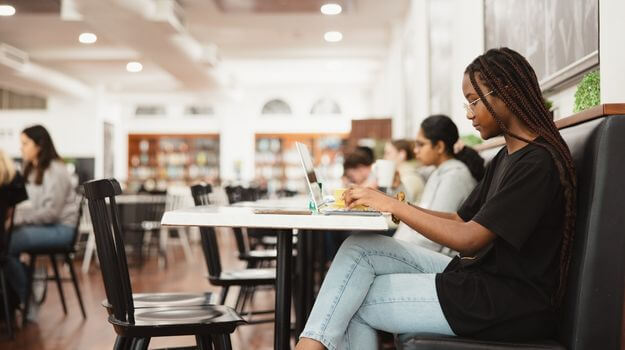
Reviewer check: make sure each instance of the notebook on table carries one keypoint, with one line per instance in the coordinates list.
(325, 207)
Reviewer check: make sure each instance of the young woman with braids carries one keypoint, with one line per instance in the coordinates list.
(514, 234)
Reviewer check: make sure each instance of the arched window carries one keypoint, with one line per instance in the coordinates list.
(325, 106)
(276, 106)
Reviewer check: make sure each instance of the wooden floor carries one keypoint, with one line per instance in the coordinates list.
(55, 331)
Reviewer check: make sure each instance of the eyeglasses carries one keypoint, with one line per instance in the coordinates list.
(468, 107)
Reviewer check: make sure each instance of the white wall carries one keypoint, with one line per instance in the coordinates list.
(612, 50)
(563, 101)
(238, 118)
(70, 123)
(405, 78)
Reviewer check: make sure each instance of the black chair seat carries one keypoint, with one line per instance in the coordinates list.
(247, 276)
(144, 300)
(439, 342)
(191, 320)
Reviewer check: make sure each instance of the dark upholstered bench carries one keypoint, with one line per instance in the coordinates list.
(593, 308)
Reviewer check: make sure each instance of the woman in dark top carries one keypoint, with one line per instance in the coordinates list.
(514, 234)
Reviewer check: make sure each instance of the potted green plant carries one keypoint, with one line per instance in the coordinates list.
(588, 92)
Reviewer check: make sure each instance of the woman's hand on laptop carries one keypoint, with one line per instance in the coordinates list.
(369, 197)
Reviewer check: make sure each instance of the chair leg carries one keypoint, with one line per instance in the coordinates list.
(86, 260)
(123, 343)
(5, 297)
(222, 341)
(184, 241)
(224, 294)
(59, 285)
(140, 344)
(29, 287)
(76, 286)
(204, 342)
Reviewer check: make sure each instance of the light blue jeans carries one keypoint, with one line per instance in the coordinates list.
(33, 237)
(377, 283)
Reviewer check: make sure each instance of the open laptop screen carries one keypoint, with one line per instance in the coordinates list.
(311, 176)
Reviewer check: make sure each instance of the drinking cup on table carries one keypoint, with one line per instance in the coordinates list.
(384, 173)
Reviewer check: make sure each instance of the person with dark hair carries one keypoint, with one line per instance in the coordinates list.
(514, 233)
(357, 168)
(453, 179)
(401, 152)
(49, 220)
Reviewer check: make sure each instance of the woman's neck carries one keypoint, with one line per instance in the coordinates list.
(442, 159)
(514, 144)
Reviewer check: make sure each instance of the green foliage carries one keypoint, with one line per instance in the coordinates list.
(588, 92)
(548, 103)
(471, 140)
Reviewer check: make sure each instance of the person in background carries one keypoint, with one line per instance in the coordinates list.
(49, 220)
(402, 153)
(454, 177)
(357, 169)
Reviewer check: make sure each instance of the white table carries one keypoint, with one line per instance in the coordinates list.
(243, 216)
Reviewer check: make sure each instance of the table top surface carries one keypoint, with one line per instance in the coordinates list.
(244, 216)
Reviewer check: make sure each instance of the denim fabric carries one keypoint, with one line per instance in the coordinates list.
(30, 237)
(377, 282)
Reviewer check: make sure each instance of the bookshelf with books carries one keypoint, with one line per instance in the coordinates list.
(278, 164)
(170, 159)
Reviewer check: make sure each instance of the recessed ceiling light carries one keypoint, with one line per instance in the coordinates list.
(134, 67)
(7, 10)
(331, 9)
(333, 36)
(87, 38)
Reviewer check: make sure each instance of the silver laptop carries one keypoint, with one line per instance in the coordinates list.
(321, 205)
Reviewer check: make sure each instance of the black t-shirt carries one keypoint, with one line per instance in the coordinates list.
(505, 292)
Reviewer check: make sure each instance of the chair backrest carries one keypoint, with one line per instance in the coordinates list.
(592, 312)
(208, 237)
(110, 246)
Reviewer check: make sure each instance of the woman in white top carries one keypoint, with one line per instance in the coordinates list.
(454, 177)
(402, 153)
(50, 219)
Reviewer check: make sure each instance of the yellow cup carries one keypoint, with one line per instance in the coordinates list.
(339, 201)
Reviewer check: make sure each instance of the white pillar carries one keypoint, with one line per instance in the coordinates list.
(467, 44)
(612, 50)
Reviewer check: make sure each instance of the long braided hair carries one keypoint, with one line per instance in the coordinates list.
(514, 81)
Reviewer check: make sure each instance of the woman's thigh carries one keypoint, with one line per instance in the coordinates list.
(387, 255)
(404, 303)
(30, 237)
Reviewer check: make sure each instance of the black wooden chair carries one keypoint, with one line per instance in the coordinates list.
(248, 279)
(67, 253)
(6, 217)
(135, 326)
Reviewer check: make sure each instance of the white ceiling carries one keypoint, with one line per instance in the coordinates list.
(251, 47)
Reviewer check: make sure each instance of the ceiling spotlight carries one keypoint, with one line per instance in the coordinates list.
(134, 67)
(333, 36)
(87, 38)
(7, 10)
(331, 9)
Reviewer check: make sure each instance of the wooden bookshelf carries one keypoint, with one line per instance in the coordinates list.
(277, 162)
(172, 158)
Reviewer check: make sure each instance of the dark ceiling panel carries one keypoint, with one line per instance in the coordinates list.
(35, 6)
(276, 6)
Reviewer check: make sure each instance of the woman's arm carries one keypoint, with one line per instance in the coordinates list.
(440, 214)
(465, 237)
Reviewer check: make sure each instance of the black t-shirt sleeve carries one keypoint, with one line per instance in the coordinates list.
(525, 193)
(472, 204)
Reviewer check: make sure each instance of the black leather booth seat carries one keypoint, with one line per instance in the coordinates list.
(593, 307)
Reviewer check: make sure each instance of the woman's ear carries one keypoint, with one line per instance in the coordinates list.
(439, 147)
